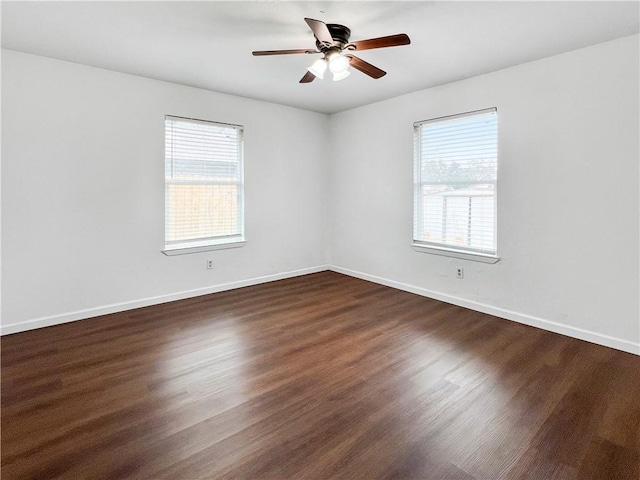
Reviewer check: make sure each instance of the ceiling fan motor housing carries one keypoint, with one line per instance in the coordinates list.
(339, 33)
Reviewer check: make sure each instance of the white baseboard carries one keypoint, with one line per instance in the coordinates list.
(575, 332)
(582, 334)
(145, 302)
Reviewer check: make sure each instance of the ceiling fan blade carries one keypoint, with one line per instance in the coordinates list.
(381, 42)
(308, 78)
(282, 52)
(365, 67)
(320, 31)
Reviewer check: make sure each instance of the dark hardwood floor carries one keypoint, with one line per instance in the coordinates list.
(321, 376)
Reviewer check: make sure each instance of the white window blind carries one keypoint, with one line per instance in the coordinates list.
(204, 192)
(456, 165)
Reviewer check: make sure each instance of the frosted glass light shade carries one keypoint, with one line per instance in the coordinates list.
(318, 68)
(341, 75)
(338, 63)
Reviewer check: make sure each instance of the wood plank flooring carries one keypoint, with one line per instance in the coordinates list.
(322, 376)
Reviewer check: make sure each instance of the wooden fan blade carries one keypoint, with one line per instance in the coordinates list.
(308, 78)
(320, 31)
(382, 42)
(282, 52)
(365, 67)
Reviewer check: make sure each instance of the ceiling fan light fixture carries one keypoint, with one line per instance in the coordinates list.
(332, 41)
(341, 75)
(318, 68)
(338, 63)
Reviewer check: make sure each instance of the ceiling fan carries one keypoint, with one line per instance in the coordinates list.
(332, 41)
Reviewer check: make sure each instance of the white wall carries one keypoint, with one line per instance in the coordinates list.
(83, 191)
(568, 205)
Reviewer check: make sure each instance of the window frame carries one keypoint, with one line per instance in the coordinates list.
(220, 242)
(418, 182)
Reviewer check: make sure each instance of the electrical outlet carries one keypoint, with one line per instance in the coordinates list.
(209, 264)
(460, 272)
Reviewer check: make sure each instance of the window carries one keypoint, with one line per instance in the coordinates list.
(204, 191)
(456, 160)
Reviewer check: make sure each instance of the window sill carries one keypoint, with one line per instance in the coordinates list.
(195, 247)
(474, 257)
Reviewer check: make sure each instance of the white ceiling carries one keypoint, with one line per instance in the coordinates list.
(209, 44)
